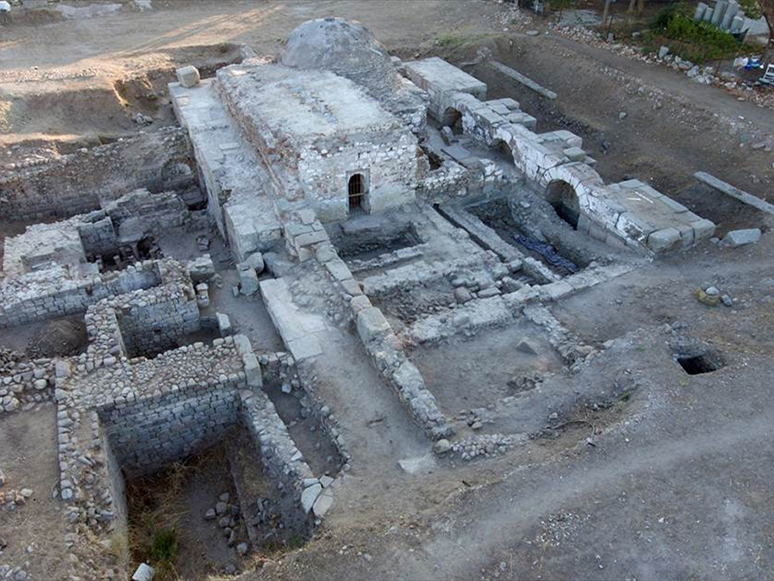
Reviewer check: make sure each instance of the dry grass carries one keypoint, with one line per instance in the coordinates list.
(155, 515)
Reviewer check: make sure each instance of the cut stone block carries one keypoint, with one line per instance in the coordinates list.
(575, 153)
(305, 347)
(359, 303)
(248, 279)
(663, 240)
(323, 504)
(224, 324)
(188, 76)
(555, 290)
(252, 370)
(338, 269)
(372, 325)
(741, 237)
(350, 286)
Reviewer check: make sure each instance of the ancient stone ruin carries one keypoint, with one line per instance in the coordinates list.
(324, 223)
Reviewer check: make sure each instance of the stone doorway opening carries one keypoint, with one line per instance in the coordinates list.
(563, 198)
(357, 190)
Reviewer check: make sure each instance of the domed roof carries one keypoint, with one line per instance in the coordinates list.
(343, 47)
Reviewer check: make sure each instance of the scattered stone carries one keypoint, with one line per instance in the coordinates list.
(242, 549)
(441, 446)
(462, 295)
(526, 347)
(737, 238)
(188, 76)
(144, 573)
(248, 279)
(309, 496)
(256, 261)
(727, 300)
(705, 299)
(210, 514)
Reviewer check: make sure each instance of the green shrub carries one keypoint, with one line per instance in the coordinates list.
(695, 41)
(163, 547)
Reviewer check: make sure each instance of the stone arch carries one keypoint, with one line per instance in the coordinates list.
(503, 147)
(177, 173)
(563, 197)
(452, 117)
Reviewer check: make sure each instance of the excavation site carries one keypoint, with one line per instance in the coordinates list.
(452, 289)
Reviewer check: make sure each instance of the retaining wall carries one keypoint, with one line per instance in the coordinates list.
(78, 182)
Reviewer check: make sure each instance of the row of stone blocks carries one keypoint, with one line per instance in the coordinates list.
(386, 351)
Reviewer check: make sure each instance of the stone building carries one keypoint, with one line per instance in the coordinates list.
(347, 152)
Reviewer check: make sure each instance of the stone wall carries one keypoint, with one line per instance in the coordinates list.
(147, 434)
(387, 161)
(78, 182)
(386, 350)
(24, 383)
(158, 321)
(156, 212)
(56, 292)
(97, 234)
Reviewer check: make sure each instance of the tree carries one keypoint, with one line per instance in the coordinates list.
(765, 8)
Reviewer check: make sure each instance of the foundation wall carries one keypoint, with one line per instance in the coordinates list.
(76, 183)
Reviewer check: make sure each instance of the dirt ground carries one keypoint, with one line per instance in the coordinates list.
(176, 499)
(35, 532)
(521, 349)
(675, 483)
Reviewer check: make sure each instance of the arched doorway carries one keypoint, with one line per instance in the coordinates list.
(503, 148)
(452, 118)
(563, 198)
(357, 189)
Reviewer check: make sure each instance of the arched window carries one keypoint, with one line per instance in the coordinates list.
(357, 191)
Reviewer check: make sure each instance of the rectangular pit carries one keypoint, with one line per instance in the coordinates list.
(498, 364)
(372, 242)
(170, 460)
(497, 215)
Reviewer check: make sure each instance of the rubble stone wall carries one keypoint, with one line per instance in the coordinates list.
(76, 183)
(158, 321)
(54, 293)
